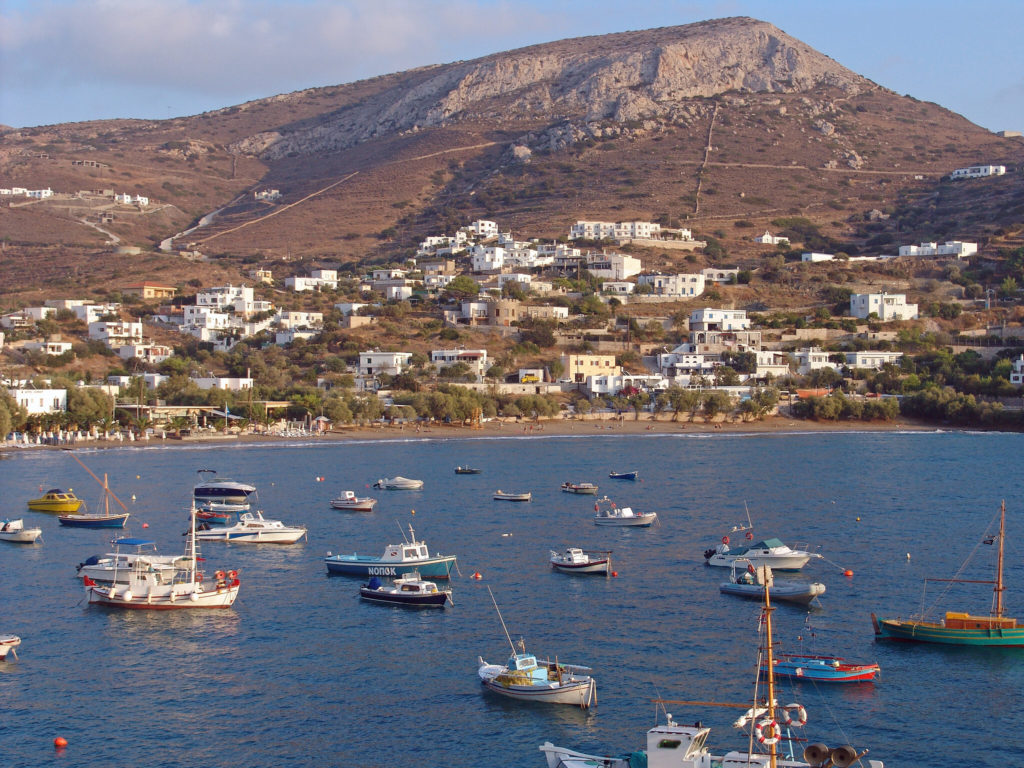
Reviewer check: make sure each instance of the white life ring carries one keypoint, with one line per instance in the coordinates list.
(795, 714)
(772, 728)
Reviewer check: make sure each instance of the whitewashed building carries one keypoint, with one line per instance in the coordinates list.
(39, 401)
(708, 319)
(681, 286)
(148, 353)
(769, 239)
(978, 171)
(613, 266)
(888, 306)
(116, 333)
(476, 359)
(296, 319)
(811, 256)
(376, 362)
(232, 384)
(223, 296)
(1017, 374)
(949, 248)
(871, 359)
(49, 348)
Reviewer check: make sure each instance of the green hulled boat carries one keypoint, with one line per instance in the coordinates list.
(992, 630)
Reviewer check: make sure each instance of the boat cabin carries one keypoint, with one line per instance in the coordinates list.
(967, 621)
(672, 745)
(523, 668)
(398, 553)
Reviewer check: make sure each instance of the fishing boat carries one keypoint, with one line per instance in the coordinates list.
(957, 628)
(221, 489)
(253, 528)
(467, 471)
(525, 678)
(151, 589)
(674, 745)
(56, 500)
(749, 583)
(104, 519)
(7, 645)
(583, 488)
(16, 532)
(500, 495)
(398, 483)
(398, 559)
(576, 560)
(116, 567)
(607, 512)
(409, 590)
(349, 501)
(624, 475)
(822, 669)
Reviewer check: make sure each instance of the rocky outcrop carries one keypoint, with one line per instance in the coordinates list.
(624, 78)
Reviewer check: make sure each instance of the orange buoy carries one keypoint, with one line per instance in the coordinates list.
(477, 576)
(615, 574)
(847, 572)
(60, 742)
(145, 525)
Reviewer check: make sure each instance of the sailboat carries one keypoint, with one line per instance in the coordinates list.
(154, 589)
(105, 519)
(993, 630)
(673, 745)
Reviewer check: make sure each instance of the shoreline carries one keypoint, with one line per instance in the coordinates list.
(510, 428)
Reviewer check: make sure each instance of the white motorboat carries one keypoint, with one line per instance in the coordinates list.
(253, 528)
(116, 567)
(16, 532)
(7, 645)
(771, 552)
(576, 560)
(582, 488)
(349, 501)
(768, 732)
(408, 590)
(500, 495)
(398, 483)
(221, 489)
(607, 512)
(749, 583)
(151, 589)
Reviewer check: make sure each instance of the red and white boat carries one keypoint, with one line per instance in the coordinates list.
(7, 645)
(576, 560)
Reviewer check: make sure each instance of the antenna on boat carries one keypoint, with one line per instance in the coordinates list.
(502, 620)
(411, 531)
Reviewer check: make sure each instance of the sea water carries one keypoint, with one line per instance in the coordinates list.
(301, 672)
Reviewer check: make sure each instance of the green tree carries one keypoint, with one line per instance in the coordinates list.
(463, 286)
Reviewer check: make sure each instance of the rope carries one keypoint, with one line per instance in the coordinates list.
(960, 570)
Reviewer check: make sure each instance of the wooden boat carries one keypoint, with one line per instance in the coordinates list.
(607, 512)
(822, 669)
(151, 589)
(467, 471)
(56, 500)
(253, 528)
(525, 678)
(767, 727)
(398, 559)
(398, 483)
(500, 495)
(623, 475)
(16, 532)
(7, 645)
(750, 584)
(349, 501)
(409, 590)
(104, 519)
(206, 514)
(583, 488)
(992, 630)
(575, 560)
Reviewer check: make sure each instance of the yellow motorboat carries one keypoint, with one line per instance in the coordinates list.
(56, 500)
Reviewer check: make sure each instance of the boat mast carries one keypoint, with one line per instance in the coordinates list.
(772, 755)
(502, 620)
(999, 562)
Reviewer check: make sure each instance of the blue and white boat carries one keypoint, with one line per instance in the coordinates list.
(221, 489)
(398, 559)
(623, 475)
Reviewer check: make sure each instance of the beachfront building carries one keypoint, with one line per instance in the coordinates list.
(38, 401)
(772, 363)
(813, 359)
(614, 383)
(229, 383)
(579, 367)
(886, 306)
(475, 359)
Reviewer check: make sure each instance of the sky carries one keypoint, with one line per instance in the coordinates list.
(73, 60)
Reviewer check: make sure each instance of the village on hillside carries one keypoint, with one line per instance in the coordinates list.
(479, 324)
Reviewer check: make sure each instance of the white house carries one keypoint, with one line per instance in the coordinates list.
(149, 353)
(708, 319)
(116, 333)
(949, 248)
(720, 275)
(476, 359)
(816, 257)
(613, 266)
(617, 287)
(771, 362)
(683, 362)
(978, 171)
(612, 383)
(195, 316)
(297, 319)
(232, 384)
(350, 307)
(769, 239)
(288, 335)
(50, 348)
(36, 401)
(398, 292)
(487, 258)
(601, 230)
(871, 359)
(318, 280)
(1017, 374)
(386, 274)
(484, 229)
(376, 362)
(674, 286)
(813, 359)
(888, 306)
(223, 296)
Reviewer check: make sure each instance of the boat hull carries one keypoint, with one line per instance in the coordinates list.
(16, 533)
(499, 496)
(7, 645)
(580, 692)
(598, 566)
(822, 669)
(165, 600)
(781, 563)
(933, 632)
(623, 475)
(93, 521)
(359, 505)
(356, 565)
(583, 490)
(788, 592)
(637, 521)
(384, 597)
(223, 493)
(55, 507)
